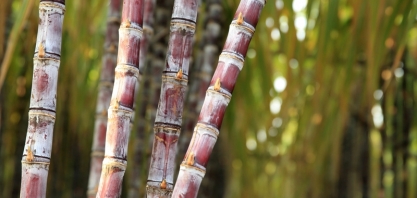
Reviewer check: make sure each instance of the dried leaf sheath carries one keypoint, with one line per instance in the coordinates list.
(217, 98)
(38, 144)
(104, 95)
(169, 113)
(121, 112)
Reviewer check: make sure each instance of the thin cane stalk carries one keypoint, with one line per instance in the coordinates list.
(168, 119)
(38, 144)
(120, 113)
(218, 96)
(104, 95)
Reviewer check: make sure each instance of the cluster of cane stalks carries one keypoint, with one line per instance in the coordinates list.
(123, 65)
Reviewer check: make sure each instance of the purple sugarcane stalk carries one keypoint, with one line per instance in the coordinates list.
(218, 96)
(120, 113)
(168, 119)
(42, 110)
(104, 95)
(139, 147)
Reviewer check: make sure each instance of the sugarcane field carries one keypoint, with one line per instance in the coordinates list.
(208, 99)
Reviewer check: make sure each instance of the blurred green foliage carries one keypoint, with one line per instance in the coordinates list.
(324, 107)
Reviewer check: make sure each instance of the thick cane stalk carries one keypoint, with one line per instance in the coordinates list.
(38, 144)
(218, 96)
(139, 148)
(121, 112)
(104, 95)
(168, 119)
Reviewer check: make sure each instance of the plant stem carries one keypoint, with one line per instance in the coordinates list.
(104, 95)
(204, 66)
(156, 60)
(217, 98)
(38, 144)
(168, 119)
(139, 146)
(209, 49)
(120, 113)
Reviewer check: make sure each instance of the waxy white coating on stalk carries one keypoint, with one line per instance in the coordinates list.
(217, 98)
(44, 73)
(165, 159)
(48, 35)
(127, 35)
(38, 144)
(175, 90)
(129, 80)
(181, 13)
(115, 168)
(215, 94)
(40, 131)
(175, 64)
(239, 33)
(195, 176)
(123, 117)
(231, 59)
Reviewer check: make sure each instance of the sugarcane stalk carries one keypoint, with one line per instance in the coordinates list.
(120, 113)
(104, 95)
(148, 21)
(42, 110)
(209, 49)
(168, 119)
(218, 96)
(155, 65)
(157, 55)
(139, 148)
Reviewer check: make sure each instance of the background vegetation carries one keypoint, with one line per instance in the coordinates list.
(324, 107)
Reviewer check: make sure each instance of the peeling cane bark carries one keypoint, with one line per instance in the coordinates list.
(218, 96)
(104, 95)
(38, 144)
(169, 113)
(121, 112)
